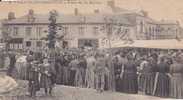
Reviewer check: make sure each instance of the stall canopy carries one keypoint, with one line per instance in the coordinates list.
(156, 44)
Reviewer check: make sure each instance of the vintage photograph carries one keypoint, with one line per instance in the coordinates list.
(91, 50)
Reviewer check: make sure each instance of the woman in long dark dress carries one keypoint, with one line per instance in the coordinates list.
(46, 80)
(162, 81)
(73, 65)
(111, 73)
(81, 71)
(33, 78)
(147, 76)
(117, 71)
(129, 76)
(66, 72)
(176, 83)
(59, 69)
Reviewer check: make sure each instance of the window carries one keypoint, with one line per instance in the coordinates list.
(15, 31)
(65, 30)
(81, 30)
(150, 30)
(95, 30)
(9, 29)
(39, 44)
(38, 31)
(141, 27)
(28, 31)
(28, 44)
(20, 46)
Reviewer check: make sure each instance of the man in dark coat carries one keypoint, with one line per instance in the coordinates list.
(33, 78)
(12, 69)
(73, 65)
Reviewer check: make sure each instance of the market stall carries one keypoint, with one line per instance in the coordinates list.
(154, 44)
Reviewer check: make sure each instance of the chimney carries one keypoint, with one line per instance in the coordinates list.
(76, 12)
(111, 3)
(96, 11)
(144, 13)
(31, 12)
(11, 15)
(31, 17)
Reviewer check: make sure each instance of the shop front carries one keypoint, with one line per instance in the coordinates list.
(91, 42)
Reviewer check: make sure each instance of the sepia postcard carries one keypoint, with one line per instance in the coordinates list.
(91, 49)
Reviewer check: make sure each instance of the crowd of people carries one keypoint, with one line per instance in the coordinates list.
(151, 72)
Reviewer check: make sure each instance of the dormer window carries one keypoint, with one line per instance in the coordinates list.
(31, 17)
(15, 31)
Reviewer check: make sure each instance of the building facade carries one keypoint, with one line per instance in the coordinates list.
(81, 30)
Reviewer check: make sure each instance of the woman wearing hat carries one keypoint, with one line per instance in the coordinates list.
(176, 83)
(161, 83)
(129, 76)
(90, 75)
(100, 71)
(147, 73)
(46, 76)
(80, 72)
(73, 65)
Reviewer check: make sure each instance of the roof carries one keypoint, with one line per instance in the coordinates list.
(70, 18)
(165, 22)
(168, 22)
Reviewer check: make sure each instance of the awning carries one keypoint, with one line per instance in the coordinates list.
(157, 44)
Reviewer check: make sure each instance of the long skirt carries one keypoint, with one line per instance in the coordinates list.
(59, 75)
(66, 75)
(111, 80)
(45, 81)
(176, 86)
(129, 83)
(146, 83)
(100, 81)
(90, 78)
(21, 69)
(118, 84)
(72, 78)
(162, 89)
(141, 79)
(78, 78)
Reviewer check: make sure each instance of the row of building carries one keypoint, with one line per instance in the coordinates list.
(94, 29)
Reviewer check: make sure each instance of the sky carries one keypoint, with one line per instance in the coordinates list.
(157, 9)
